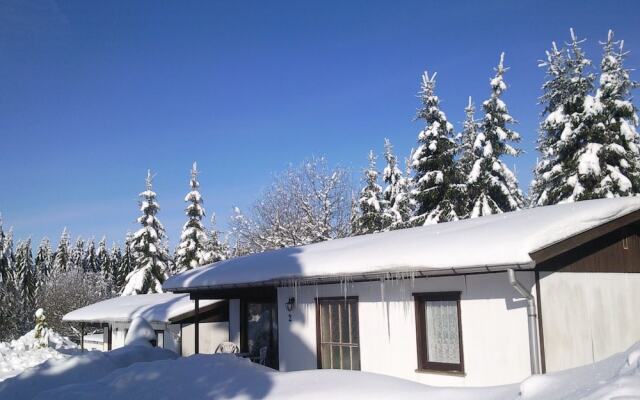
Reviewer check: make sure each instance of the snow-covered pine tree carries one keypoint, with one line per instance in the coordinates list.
(566, 136)
(4, 261)
(115, 262)
(614, 121)
(127, 264)
(90, 262)
(77, 257)
(62, 256)
(467, 137)
(192, 250)
(25, 275)
(396, 193)
(560, 102)
(436, 179)
(371, 202)
(44, 258)
(103, 263)
(217, 250)
(151, 258)
(491, 186)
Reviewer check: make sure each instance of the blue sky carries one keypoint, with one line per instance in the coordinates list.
(94, 93)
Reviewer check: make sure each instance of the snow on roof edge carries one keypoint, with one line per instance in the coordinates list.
(155, 308)
(494, 242)
(337, 278)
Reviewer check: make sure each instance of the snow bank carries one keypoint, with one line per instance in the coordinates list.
(86, 367)
(494, 241)
(159, 307)
(223, 376)
(617, 377)
(26, 352)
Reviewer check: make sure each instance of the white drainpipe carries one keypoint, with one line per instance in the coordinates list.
(532, 313)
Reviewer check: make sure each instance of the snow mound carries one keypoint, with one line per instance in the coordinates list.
(617, 377)
(224, 376)
(86, 367)
(25, 352)
(141, 333)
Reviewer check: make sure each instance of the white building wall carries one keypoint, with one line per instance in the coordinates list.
(494, 327)
(210, 336)
(588, 316)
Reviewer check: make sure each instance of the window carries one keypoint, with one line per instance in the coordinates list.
(337, 333)
(439, 331)
(159, 342)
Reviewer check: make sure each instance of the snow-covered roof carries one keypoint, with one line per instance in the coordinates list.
(488, 243)
(158, 307)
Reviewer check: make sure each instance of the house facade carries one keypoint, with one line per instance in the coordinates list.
(477, 302)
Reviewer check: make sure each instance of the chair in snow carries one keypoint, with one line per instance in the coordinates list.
(227, 347)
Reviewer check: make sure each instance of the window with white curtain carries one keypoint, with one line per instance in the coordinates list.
(438, 331)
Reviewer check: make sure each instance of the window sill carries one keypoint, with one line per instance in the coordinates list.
(438, 372)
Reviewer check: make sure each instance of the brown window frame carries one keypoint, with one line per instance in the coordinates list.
(319, 328)
(421, 333)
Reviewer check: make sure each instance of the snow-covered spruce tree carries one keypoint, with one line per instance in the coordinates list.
(614, 123)
(371, 203)
(151, 258)
(396, 193)
(491, 186)
(25, 276)
(4, 256)
(466, 138)
(127, 264)
(44, 258)
(562, 97)
(90, 262)
(565, 132)
(192, 250)
(9, 258)
(437, 183)
(115, 261)
(103, 263)
(217, 250)
(62, 256)
(77, 258)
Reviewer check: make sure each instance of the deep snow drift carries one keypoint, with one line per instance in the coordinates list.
(86, 367)
(224, 376)
(25, 352)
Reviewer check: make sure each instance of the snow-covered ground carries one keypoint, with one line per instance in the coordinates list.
(139, 371)
(25, 352)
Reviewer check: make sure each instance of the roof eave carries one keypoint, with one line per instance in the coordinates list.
(363, 277)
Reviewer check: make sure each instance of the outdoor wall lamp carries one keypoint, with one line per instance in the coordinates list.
(290, 304)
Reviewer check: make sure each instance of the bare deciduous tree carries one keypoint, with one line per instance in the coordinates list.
(305, 204)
